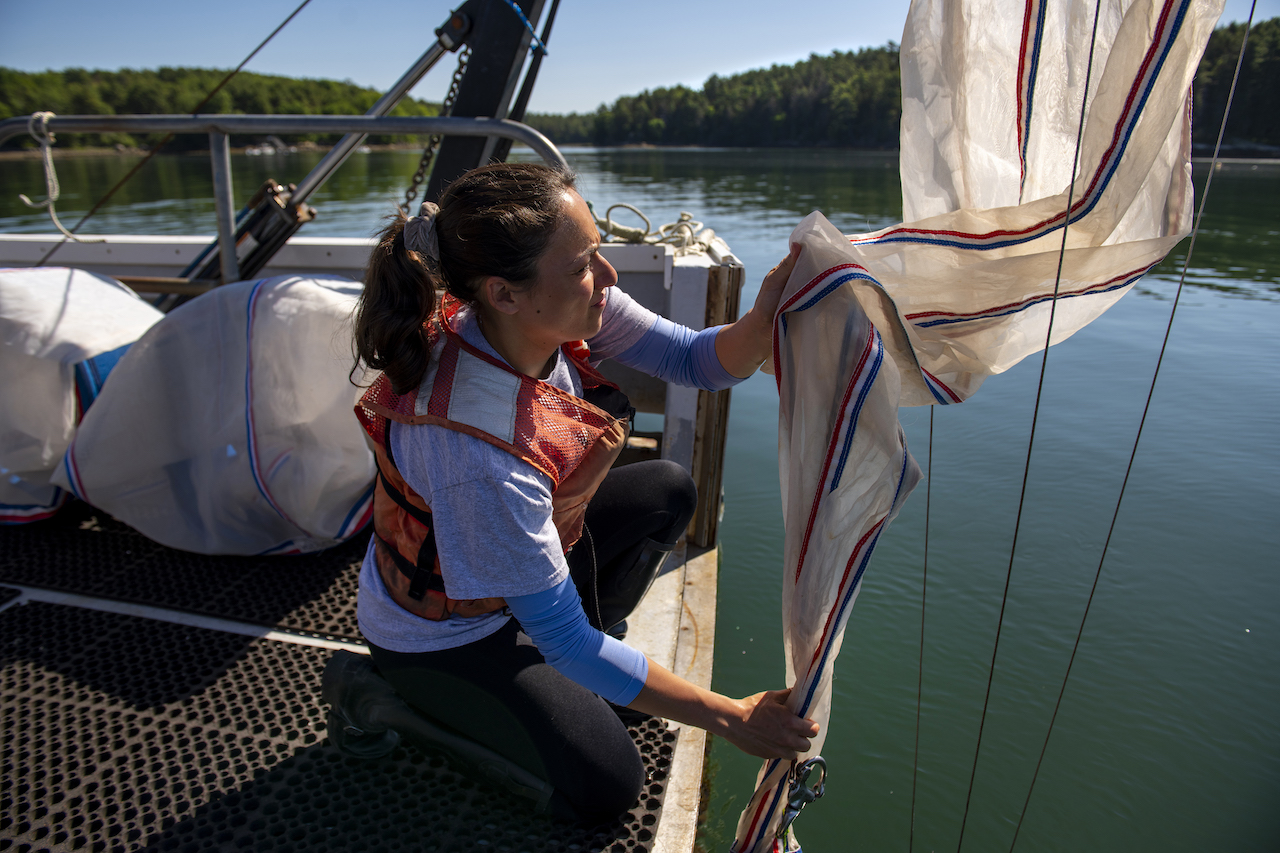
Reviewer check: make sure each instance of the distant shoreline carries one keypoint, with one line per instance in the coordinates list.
(71, 153)
(58, 153)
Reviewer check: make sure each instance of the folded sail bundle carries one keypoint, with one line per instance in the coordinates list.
(57, 325)
(993, 95)
(227, 428)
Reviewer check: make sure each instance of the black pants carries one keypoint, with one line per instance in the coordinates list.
(501, 692)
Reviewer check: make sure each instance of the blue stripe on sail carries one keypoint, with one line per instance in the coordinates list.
(967, 243)
(248, 397)
(823, 293)
(937, 395)
(768, 812)
(1108, 169)
(359, 506)
(73, 475)
(870, 373)
(848, 595)
(1031, 88)
(946, 321)
(828, 288)
(1153, 74)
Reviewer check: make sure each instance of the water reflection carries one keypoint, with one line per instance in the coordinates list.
(1167, 739)
(1235, 253)
(1239, 239)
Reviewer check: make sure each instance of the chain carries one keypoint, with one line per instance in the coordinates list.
(429, 153)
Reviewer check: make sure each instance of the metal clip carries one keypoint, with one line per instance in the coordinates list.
(801, 793)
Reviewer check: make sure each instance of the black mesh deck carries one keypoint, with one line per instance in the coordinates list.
(123, 733)
(86, 551)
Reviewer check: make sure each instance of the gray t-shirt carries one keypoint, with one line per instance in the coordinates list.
(492, 511)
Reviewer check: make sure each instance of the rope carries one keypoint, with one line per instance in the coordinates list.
(1186, 263)
(924, 587)
(686, 234)
(1035, 413)
(42, 135)
(163, 142)
(538, 46)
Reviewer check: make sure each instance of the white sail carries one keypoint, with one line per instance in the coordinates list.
(53, 320)
(228, 427)
(922, 313)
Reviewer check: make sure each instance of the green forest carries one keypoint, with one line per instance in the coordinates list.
(845, 99)
(853, 100)
(76, 91)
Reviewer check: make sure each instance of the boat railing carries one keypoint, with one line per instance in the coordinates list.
(221, 127)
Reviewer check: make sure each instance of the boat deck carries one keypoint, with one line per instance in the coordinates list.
(155, 699)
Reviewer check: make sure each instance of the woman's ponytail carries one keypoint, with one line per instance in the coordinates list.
(399, 297)
(494, 220)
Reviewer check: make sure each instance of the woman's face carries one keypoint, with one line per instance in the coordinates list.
(566, 300)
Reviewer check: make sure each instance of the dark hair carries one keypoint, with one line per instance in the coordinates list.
(494, 220)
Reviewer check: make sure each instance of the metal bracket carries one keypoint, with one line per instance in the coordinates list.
(801, 793)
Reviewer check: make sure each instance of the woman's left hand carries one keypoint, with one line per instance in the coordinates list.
(744, 345)
(774, 282)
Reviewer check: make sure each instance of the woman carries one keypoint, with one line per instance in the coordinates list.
(495, 500)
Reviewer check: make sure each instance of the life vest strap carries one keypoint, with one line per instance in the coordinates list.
(421, 578)
(417, 513)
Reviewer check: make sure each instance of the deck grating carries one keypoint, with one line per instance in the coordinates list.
(122, 733)
(84, 550)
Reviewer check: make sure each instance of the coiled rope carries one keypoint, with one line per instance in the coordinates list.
(38, 127)
(686, 234)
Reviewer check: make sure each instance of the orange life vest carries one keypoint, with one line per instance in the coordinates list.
(571, 440)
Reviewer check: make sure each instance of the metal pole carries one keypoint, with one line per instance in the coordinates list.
(220, 156)
(286, 124)
(339, 153)
(449, 37)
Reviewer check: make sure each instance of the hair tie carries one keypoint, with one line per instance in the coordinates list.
(420, 232)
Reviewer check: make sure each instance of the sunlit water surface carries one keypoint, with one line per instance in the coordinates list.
(1168, 737)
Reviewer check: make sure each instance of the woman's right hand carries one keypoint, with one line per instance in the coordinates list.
(767, 728)
(760, 725)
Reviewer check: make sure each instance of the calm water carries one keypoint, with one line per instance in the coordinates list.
(1169, 735)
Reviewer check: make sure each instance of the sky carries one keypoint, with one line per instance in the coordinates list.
(599, 49)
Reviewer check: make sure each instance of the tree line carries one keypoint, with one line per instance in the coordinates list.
(1255, 108)
(853, 99)
(848, 98)
(76, 91)
(845, 99)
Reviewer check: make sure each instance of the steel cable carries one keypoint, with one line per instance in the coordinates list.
(1035, 414)
(1141, 423)
(163, 142)
(924, 588)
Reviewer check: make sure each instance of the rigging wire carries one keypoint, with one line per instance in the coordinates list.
(1035, 414)
(163, 142)
(1186, 263)
(924, 588)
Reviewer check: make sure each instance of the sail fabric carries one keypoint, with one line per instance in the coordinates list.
(53, 322)
(992, 100)
(986, 163)
(227, 428)
(846, 472)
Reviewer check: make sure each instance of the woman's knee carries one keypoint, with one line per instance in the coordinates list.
(609, 788)
(679, 494)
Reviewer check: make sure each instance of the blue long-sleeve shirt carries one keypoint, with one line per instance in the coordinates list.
(493, 524)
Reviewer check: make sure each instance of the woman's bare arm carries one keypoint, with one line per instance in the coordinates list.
(743, 346)
(760, 725)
